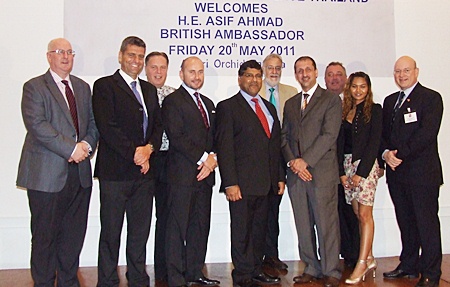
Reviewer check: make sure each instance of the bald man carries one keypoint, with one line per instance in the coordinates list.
(411, 122)
(55, 167)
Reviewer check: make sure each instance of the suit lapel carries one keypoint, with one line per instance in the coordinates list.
(314, 100)
(60, 99)
(124, 86)
(192, 105)
(249, 111)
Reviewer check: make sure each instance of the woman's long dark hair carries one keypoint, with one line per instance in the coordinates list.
(349, 102)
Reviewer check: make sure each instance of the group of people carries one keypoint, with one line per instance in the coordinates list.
(328, 146)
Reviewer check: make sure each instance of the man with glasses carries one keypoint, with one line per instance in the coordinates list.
(55, 167)
(248, 148)
(277, 94)
(128, 117)
(411, 122)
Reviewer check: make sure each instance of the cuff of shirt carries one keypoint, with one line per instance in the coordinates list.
(203, 158)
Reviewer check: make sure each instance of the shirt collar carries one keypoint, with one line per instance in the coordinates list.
(311, 91)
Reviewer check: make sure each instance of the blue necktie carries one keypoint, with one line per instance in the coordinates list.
(400, 98)
(272, 97)
(138, 97)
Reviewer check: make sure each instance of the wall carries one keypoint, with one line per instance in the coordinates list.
(26, 27)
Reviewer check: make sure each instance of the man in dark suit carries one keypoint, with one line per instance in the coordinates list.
(156, 66)
(128, 117)
(311, 124)
(335, 78)
(248, 148)
(189, 121)
(55, 167)
(411, 122)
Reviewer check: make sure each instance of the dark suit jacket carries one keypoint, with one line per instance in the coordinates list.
(188, 137)
(313, 135)
(246, 156)
(51, 135)
(416, 142)
(366, 139)
(118, 115)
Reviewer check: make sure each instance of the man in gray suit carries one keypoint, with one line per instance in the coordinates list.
(55, 167)
(311, 125)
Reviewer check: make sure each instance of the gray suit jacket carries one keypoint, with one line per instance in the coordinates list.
(285, 92)
(51, 135)
(312, 136)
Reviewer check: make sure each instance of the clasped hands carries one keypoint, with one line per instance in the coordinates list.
(300, 167)
(80, 153)
(350, 183)
(207, 166)
(142, 157)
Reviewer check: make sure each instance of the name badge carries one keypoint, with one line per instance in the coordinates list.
(410, 117)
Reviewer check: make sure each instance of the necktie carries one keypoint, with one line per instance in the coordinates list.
(305, 102)
(138, 97)
(401, 96)
(72, 105)
(272, 97)
(262, 118)
(202, 110)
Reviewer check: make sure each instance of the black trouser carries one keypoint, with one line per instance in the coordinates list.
(416, 209)
(273, 225)
(349, 226)
(135, 198)
(58, 228)
(187, 232)
(162, 213)
(248, 226)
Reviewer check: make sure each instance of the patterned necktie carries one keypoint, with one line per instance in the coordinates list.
(72, 105)
(272, 97)
(202, 110)
(138, 97)
(400, 98)
(262, 118)
(304, 102)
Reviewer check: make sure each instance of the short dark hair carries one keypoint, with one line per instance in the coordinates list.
(131, 40)
(252, 64)
(304, 58)
(154, 54)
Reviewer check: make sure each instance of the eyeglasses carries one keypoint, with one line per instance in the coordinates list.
(276, 68)
(62, 52)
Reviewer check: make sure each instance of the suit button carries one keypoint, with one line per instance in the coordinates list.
(141, 109)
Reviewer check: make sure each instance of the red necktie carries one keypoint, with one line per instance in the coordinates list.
(202, 110)
(261, 117)
(72, 105)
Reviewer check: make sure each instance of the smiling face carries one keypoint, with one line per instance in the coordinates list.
(61, 64)
(132, 60)
(335, 78)
(251, 81)
(405, 72)
(192, 72)
(156, 70)
(272, 68)
(359, 89)
(305, 74)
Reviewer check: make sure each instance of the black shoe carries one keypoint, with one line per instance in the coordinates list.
(331, 282)
(399, 273)
(264, 278)
(204, 281)
(275, 263)
(427, 282)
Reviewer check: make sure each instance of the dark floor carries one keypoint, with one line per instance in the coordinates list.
(222, 272)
